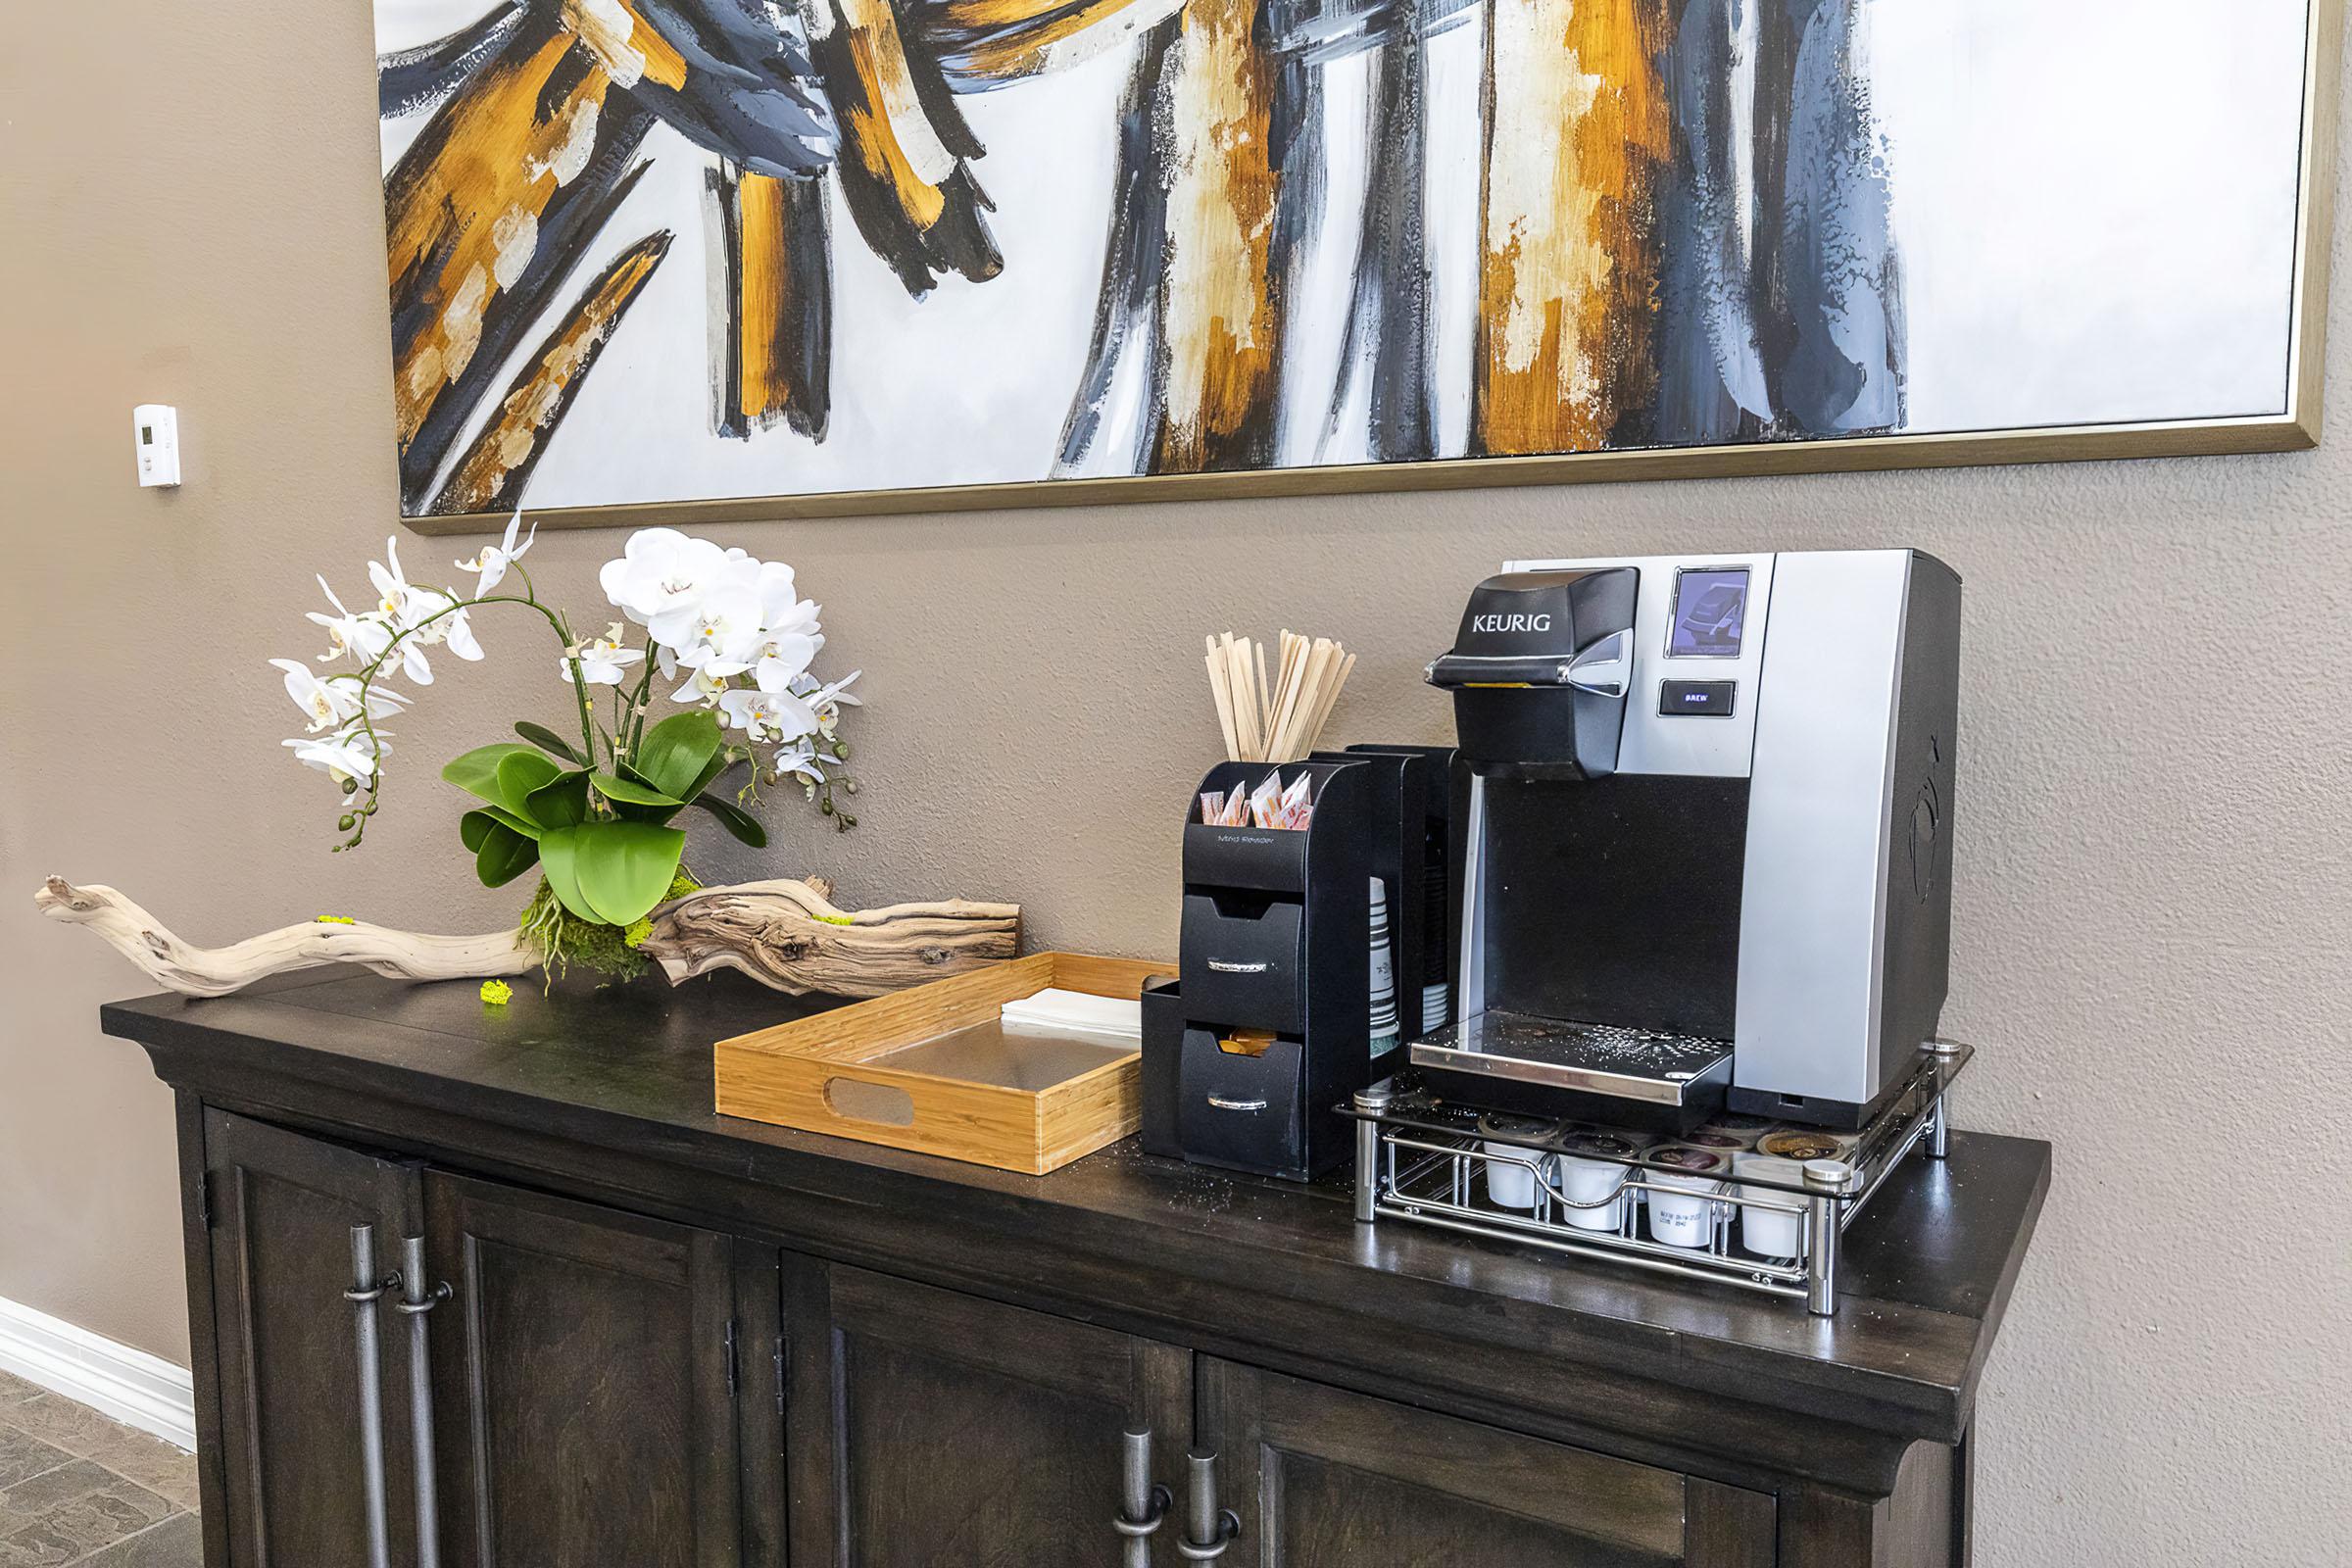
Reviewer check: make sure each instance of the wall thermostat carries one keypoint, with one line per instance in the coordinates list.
(154, 428)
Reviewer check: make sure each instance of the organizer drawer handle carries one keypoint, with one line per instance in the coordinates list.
(1229, 966)
(1143, 1507)
(1208, 1529)
(367, 1289)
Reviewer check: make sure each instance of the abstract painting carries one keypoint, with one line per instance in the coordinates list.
(862, 254)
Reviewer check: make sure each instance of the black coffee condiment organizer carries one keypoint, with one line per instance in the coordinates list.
(1275, 940)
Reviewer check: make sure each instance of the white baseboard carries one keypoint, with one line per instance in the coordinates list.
(131, 1386)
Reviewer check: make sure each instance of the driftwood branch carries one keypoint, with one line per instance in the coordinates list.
(785, 934)
(213, 971)
(788, 935)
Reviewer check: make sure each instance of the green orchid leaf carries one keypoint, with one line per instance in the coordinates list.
(710, 774)
(624, 869)
(476, 772)
(493, 815)
(559, 856)
(521, 773)
(735, 820)
(546, 740)
(561, 803)
(503, 856)
(674, 752)
(628, 792)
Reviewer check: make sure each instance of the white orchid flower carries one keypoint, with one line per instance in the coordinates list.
(799, 758)
(662, 576)
(330, 702)
(492, 561)
(362, 636)
(348, 753)
(767, 715)
(701, 687)
(828, 701)
(601, 659)
(721, 636)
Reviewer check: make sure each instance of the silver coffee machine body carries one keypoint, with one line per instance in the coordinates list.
(1708, 850)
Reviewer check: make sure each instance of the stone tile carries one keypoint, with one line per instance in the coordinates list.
(150, 1462)
(176, 1542)
(15, 1390)
(62, 1424)
(79, 1504)
(24, 1457)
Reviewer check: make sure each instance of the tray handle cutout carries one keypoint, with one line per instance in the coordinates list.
(855, 1099)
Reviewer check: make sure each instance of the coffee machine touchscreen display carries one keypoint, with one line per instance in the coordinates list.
(1710, 608)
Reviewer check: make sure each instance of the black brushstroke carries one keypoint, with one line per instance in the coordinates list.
(574, 216)
(1387, 317)
(407, 80)
(958, 242)
(808, 325)
(1710, 373)
(1131, 262)
(511, 483)
(750, 91)
(1295, 141)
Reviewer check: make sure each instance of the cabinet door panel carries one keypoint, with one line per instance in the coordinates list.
(932, 1430)
(286, 1349)
(1321, 1477)
(583, 1381)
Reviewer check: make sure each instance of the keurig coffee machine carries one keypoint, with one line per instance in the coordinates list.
(1709, 834)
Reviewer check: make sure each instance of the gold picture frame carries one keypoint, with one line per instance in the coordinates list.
(2296, 428)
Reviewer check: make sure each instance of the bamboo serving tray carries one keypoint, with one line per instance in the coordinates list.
(930, 1069)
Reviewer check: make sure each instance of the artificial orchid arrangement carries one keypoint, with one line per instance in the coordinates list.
(729, 632)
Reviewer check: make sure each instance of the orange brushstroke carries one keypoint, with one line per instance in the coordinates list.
(472, 214)
(1024, 51)
(527, 414)
(1576, 138)
(768, 305)
(629, 47)
(886, 127)
(1217, 320)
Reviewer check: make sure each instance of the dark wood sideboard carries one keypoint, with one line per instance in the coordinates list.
(672, 1338)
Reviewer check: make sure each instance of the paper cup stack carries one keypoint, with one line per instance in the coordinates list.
(1384, 975)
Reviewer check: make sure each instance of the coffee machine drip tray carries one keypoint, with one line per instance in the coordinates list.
(1531, 1055)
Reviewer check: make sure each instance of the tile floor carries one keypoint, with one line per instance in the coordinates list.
(78, 1489)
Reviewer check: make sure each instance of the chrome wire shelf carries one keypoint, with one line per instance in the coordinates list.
(1426, 1162)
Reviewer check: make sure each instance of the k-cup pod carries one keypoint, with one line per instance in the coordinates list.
(1716, 1139)
(1771, 1232)
(1682, 1205)
(1743, 1131)
(1590, 1174)
(1804, 1144)
(1512, 1184)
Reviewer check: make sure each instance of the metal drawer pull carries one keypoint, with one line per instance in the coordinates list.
(1208, 1529)
(365, 1291)
(1142, 1505)
(415, 1305)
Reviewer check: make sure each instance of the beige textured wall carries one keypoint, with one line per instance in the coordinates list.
(2153, 817)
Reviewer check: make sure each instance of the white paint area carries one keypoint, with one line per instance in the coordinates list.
(2094, 204)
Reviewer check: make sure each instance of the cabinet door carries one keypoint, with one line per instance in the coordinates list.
(932, 1430)
(295, 1467)
(584, 1371)
(1321, 1477)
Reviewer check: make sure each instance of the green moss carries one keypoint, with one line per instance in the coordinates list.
(559, 939)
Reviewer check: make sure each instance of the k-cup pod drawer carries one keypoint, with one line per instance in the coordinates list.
(1244, 1108)
(1242, 961)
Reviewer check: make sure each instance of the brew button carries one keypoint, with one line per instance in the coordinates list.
(1709, 698)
